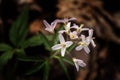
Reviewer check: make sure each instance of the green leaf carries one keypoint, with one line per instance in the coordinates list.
(5, 57)
(35, 68)
(33, 41)
(64, 67)
(46, 43)
(19, 29)
(49, 37)
(30, 59)
(20, 52)
(68, 61)
(46, 70)
(55, 37)
(5, 47)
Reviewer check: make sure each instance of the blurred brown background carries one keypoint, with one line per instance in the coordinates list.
(101, 15)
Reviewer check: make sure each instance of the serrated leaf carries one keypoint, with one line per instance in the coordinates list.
(46, 70)
(19, 28)
(30, 59)
(68, 61)
(64, 67)
(35, 68)
(33, 41)
(5, 57)
(55, 37)
(46, 43)
(5, 47)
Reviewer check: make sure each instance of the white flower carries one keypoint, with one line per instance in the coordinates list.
(79, 28)
(83, 45)
(90, 38)
(50, 27)
(67, 28)
(73, 35)
(63, 45)
(78, 63)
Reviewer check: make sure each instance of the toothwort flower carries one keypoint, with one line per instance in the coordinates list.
(73, 35)
(78, 63)
(50, 27)
(63, 45)
(83, 45)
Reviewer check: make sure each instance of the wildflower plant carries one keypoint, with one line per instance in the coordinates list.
(59, 43)
(74, 38)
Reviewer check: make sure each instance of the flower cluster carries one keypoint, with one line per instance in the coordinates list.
(74, 35)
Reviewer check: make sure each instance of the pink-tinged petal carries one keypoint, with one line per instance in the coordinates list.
(63, 51)
(75, 32)
(82, 64)
(56, 47)
(53, 24)
(74, 26)
(72, 19)
(83, 38)
(68, 43)
(61, 38)
(46, 24)
(93, 43)
(64, 20)
(87, 50)
(90, 33)
(60, 21)
(78, 48)
(62, 31)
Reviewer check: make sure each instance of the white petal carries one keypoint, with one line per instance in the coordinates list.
(93, 43)
(83, 37)
(57, 46)
(68, 26)
(84, 29)
(78, 48)
(74, 26)
(82, 64)
(63, 51)
(61, 38)
(46, 23)
(49, 29)
(68, 43)
(88, 40)
(87, 50)
(76, 65)
(90, 33)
